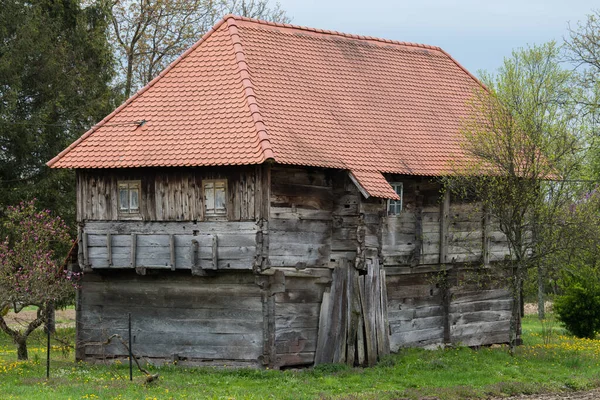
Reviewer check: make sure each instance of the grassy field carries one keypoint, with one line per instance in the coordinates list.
(545, 363)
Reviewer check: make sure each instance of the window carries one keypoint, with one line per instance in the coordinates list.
(395, 206)
(215, 197)
(129, 197)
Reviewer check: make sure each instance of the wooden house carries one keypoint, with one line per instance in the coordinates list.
(270, 199)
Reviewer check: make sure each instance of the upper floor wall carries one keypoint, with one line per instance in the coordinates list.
(171, 194)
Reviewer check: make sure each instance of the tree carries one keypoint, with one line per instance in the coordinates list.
(150, 34)
(55, 74)
(522, 148)
(31, 268)
(582, 49)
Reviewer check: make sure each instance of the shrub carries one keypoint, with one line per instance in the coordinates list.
(579, 308)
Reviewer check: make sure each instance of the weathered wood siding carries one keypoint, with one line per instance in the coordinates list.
(300, 219)
(174, 316)
(170, 245)
(170, 194)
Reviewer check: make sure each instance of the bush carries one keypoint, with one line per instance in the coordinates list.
(579, 308)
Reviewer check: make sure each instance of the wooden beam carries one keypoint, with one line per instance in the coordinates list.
(196, 270)
(215, 251)
(486, 237)
(444, 217)
(172, 251)
(133, 249)
(109, 249)
(86, 259)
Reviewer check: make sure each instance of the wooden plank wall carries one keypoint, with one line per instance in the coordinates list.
(236, 246)
(169, 194)
(415, 307)
(174, 316)
(300, 219)
(297, 319)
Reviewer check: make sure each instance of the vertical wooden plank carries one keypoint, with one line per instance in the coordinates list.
(271, 331)
(418, 250)
(364, 290)
(378, 311)
(321, 353)
(109, 249)
(196, 270)
(371, 314)
(86, 260)
(215, 252)
(266, 195)
(445, 289)
(342, 300)
(172, 251)
(79, 199)
(444, 217)
(133, 250)
(360, 338)
(486, 237)
(353, 314)
(384, 306)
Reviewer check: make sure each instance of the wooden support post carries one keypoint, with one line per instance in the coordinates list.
(196, 270)
(215, 252)
(486, 237)
(445, 289)
(416, 254)
(133, 250)
(86, 259)
(172, 251)
(109, 249)
(444, 217)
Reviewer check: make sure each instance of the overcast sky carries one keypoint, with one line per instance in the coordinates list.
(478, 33)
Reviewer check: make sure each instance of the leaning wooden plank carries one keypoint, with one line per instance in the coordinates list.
(384, 307)
(375, 296)
(364, 300)
(354, 312)
(336, 337)
(322, 353)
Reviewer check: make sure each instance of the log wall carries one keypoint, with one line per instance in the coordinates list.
(290, 228)
(175, 316)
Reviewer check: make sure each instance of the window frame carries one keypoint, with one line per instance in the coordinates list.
(396, 203)
(215, 213)
(128, 212)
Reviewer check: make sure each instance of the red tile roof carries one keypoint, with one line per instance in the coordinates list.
(252, 90)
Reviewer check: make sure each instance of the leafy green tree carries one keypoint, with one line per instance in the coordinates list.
(55, 74)
(582, 49)
(523, 150)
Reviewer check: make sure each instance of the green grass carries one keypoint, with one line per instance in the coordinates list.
(563, 363)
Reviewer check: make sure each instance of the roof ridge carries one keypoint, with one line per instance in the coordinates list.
(334, 33)
(137, 94)
(240, 56)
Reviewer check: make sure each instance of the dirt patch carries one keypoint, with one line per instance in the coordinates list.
(532, 308)
(64, 318)
(589, 395)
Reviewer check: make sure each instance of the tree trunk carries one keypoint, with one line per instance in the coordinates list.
(541, 294)
(22, 349)
(515, 318)
(129, 76)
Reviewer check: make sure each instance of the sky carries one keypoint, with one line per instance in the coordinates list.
(477, 33)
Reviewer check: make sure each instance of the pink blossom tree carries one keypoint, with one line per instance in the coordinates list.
(31, 268)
